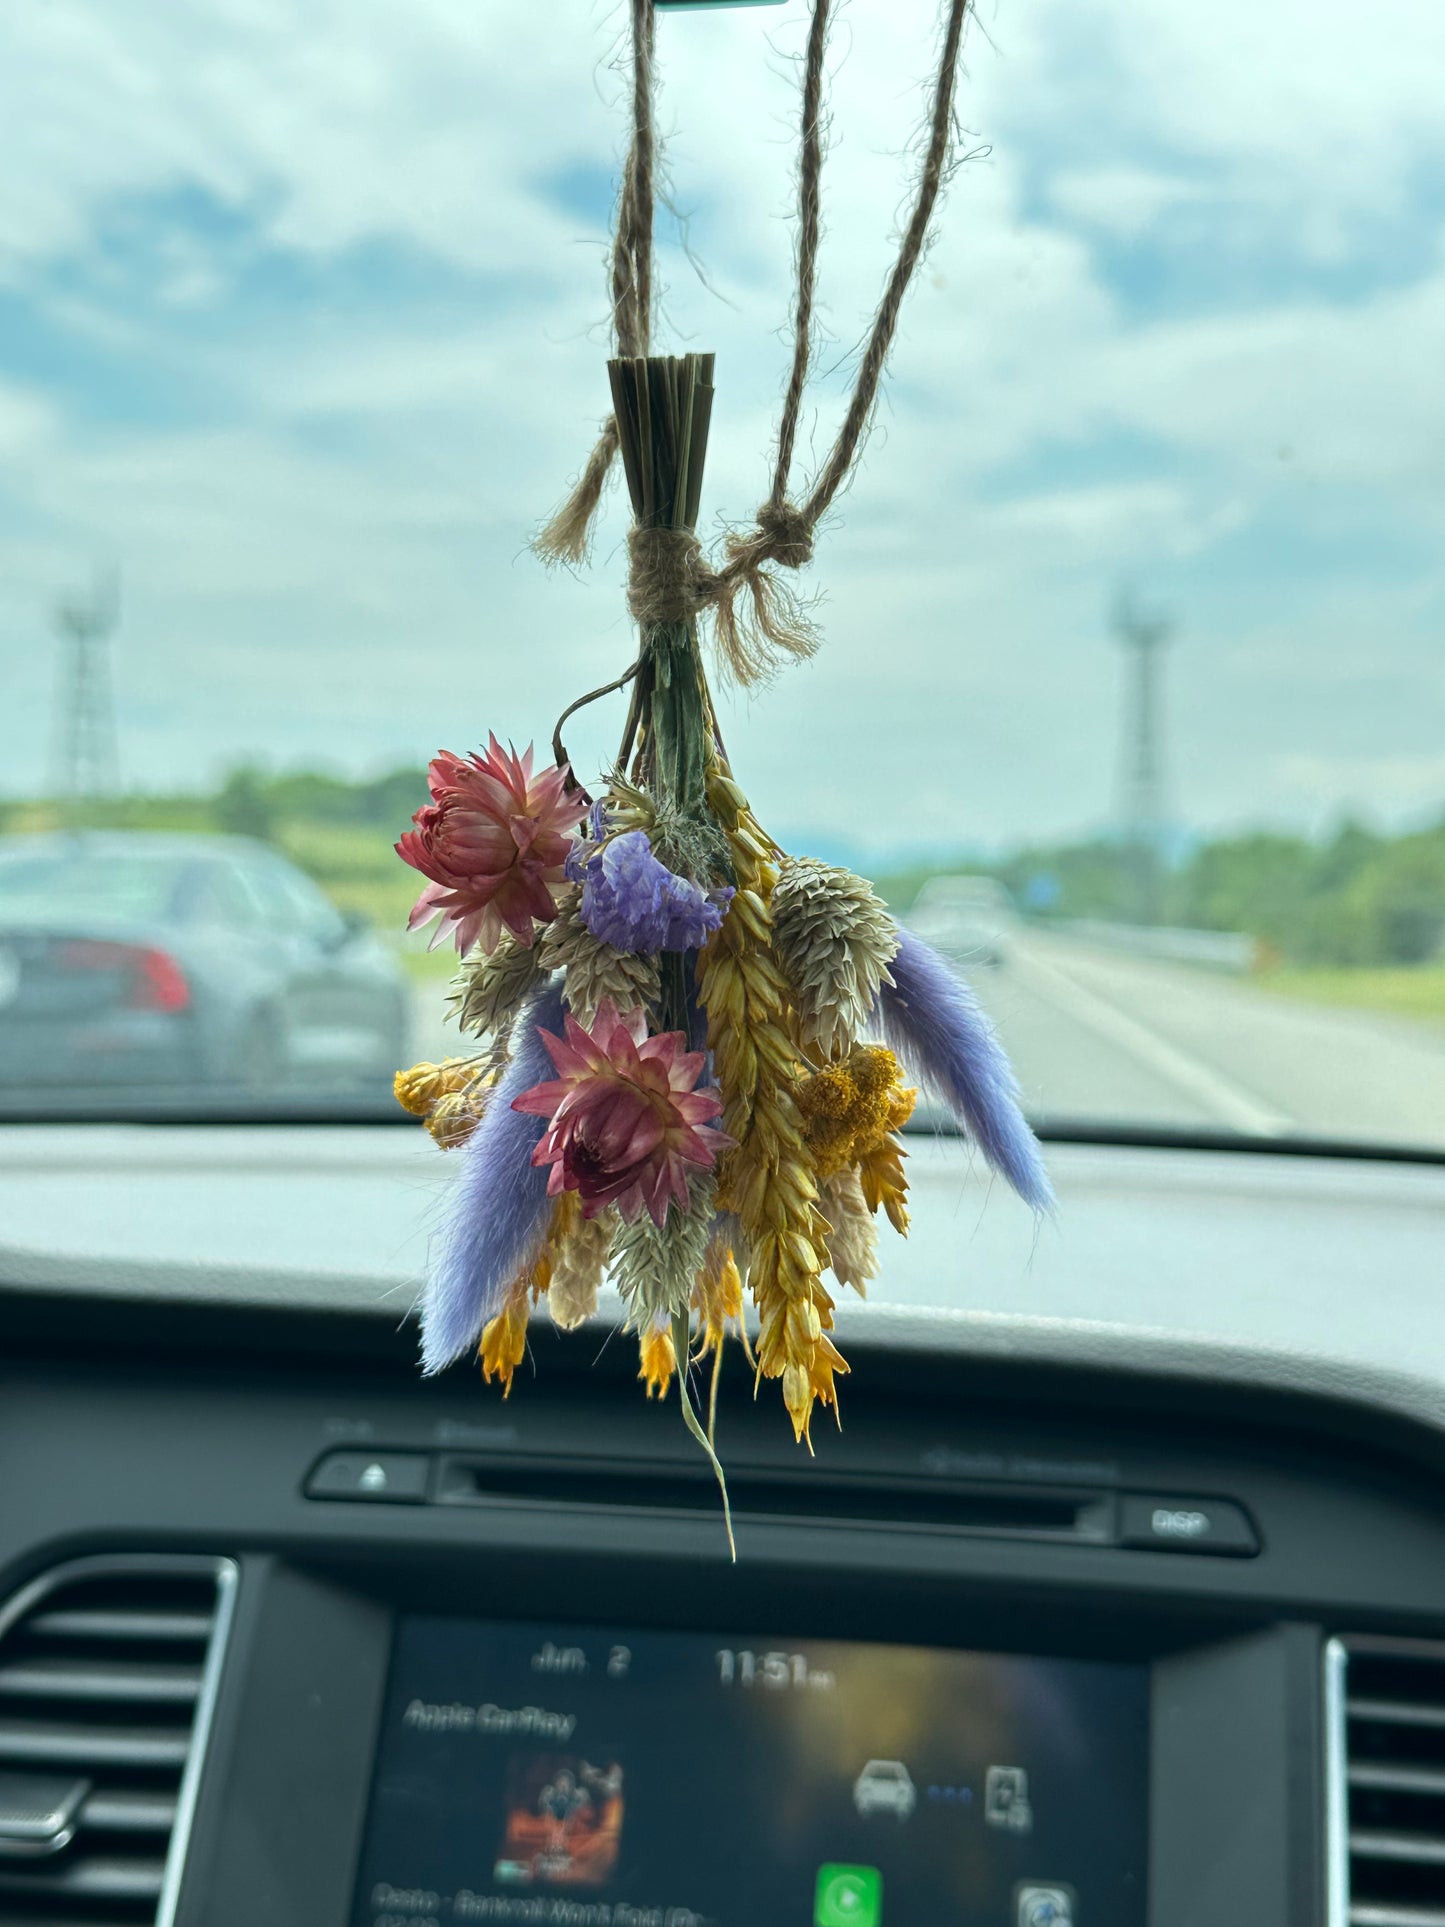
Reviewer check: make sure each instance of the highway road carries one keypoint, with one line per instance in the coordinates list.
(1105, 1038)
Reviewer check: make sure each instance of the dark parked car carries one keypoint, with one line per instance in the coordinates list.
(130, 958)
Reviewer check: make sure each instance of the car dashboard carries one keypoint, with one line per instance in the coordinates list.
(1082, 1618)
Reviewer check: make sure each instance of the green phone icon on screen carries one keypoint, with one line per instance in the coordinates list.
(848, 1896)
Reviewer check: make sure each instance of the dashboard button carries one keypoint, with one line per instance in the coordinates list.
(1185, 1525)
(390, 1478)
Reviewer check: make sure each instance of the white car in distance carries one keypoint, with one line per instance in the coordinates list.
(971, 919)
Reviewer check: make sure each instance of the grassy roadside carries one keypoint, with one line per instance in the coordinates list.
(1417, 992)
(427, 966)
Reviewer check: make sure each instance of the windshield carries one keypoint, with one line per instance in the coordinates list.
(1130, 696)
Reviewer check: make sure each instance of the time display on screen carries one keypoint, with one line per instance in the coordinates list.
(774, 1672)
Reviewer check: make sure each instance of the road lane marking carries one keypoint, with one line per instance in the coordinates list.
(1218, 1094)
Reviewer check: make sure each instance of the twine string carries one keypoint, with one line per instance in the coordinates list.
(758, 619)
(810, 222)
(564, 538)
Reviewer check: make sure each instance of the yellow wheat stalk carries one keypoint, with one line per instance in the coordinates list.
(766, 1178)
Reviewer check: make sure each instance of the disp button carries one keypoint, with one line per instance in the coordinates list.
(1186, 1525)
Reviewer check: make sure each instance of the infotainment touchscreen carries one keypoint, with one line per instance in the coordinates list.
(546, 1776)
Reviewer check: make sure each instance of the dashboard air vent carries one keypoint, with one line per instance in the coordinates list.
(1387, 1793)
(108, 1671)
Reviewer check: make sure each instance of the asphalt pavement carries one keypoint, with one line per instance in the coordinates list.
(1101, 1037)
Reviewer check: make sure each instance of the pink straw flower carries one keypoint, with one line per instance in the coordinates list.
(626, 1121)
(493, 840)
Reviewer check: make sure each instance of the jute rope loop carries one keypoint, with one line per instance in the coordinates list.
(758, 621)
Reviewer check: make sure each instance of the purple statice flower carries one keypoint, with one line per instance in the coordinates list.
(498, 1212)
(633, 902)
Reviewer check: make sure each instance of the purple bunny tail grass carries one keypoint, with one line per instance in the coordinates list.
(501, 1201)
(938, 1028)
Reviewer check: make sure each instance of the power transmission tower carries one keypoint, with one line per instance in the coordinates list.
(1141, 774)
(87, 761)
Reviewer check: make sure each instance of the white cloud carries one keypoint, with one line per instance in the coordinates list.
(335, 563)
(1122, 201)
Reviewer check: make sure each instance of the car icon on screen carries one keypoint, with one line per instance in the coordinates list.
(885, 1786)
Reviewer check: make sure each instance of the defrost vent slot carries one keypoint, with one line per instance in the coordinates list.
(1002, 1511)
(108, 1676)
(1060, 1514)
(1385, 1705)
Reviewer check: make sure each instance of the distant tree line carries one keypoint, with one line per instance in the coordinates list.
(1356, 897)
(252, 803)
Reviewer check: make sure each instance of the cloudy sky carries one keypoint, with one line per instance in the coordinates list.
(300, 323)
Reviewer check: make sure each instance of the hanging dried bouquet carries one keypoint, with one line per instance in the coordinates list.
(695, 1052)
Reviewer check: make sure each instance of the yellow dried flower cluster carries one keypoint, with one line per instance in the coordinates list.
(851, 1108)
(767, 1177)
(448, 1097)
(718, 1297)
(504, 1337)
(658, 1360)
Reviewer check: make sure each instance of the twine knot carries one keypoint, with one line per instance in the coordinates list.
(788, 534)
(666, 575)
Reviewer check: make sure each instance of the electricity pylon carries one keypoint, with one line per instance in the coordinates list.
(1141, 765)
(86, 759)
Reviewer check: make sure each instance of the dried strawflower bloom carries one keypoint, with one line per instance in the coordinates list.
(835, 941)
(626, 1123)
(494, 842)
